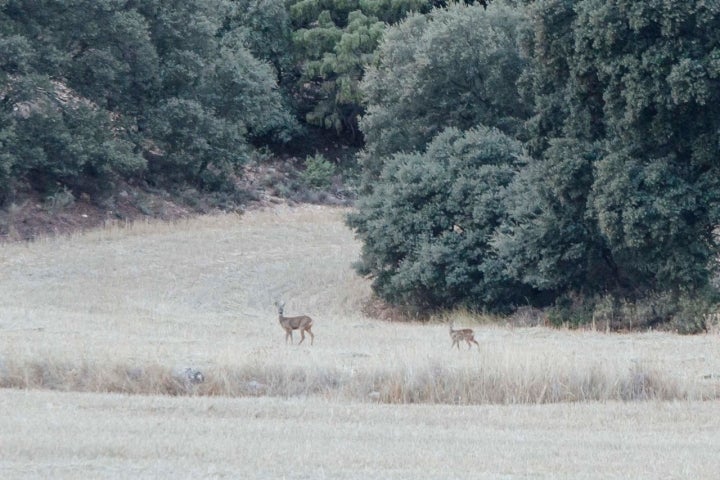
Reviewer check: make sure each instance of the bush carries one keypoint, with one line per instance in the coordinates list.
(454, 67)
(196, 146)
(56, 144)
(425, 228)
(626, 196)
(681, 312)
(318, 172)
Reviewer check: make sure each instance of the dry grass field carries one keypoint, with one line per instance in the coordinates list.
(96, 330)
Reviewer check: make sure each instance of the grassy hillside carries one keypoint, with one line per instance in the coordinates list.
(126, 310)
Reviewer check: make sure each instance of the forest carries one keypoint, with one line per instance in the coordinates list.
(560, 154)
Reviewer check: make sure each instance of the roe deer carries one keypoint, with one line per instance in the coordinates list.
(302, 323)
(462, 334)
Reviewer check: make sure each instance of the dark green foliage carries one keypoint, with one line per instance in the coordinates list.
(98, 48)
(636, 79)
(241, 89)
(334, 40)
(427, 219)
(657, 191)
(626, 196)
(204, 58)
(453, 67)
(266, 30)
(91, 89)
(334, 49)
(8, 139)
(621, 199)
(393, 11)
(16, 55)
(53, 139)
(550, 239)
(318, 172)
(195, 146)
(548, 41)
(426, 226)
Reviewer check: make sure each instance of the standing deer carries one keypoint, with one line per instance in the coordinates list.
(462, 334)
(302, 323)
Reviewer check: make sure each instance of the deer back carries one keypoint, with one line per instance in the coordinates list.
(296, 323)
(462, 333)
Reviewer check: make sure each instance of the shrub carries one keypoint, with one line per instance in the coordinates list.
(454, 67)
(318, 172)
(427, 224)
(682, 312)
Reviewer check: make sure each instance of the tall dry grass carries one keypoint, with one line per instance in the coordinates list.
(130, 309)
(424, 382)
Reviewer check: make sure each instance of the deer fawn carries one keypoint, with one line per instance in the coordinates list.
(462, 334)
(302, 323)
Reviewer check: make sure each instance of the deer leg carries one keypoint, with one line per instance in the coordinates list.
(312, 337)
(288, 334)
(302, 336)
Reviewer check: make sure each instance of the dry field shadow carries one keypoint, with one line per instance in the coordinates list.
(188, 309)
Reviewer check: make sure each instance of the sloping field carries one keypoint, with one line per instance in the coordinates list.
(127, 310)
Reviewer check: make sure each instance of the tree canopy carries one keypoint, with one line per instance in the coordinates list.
(110, 88)
(453, 67)
(629, 86)
(426, 227)
(616, 105)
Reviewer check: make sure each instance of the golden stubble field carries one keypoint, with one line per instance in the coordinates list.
(94, 327)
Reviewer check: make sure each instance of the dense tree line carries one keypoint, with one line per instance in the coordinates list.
(555, 153)
(174, 92)
(613, 211)
(96, 90)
